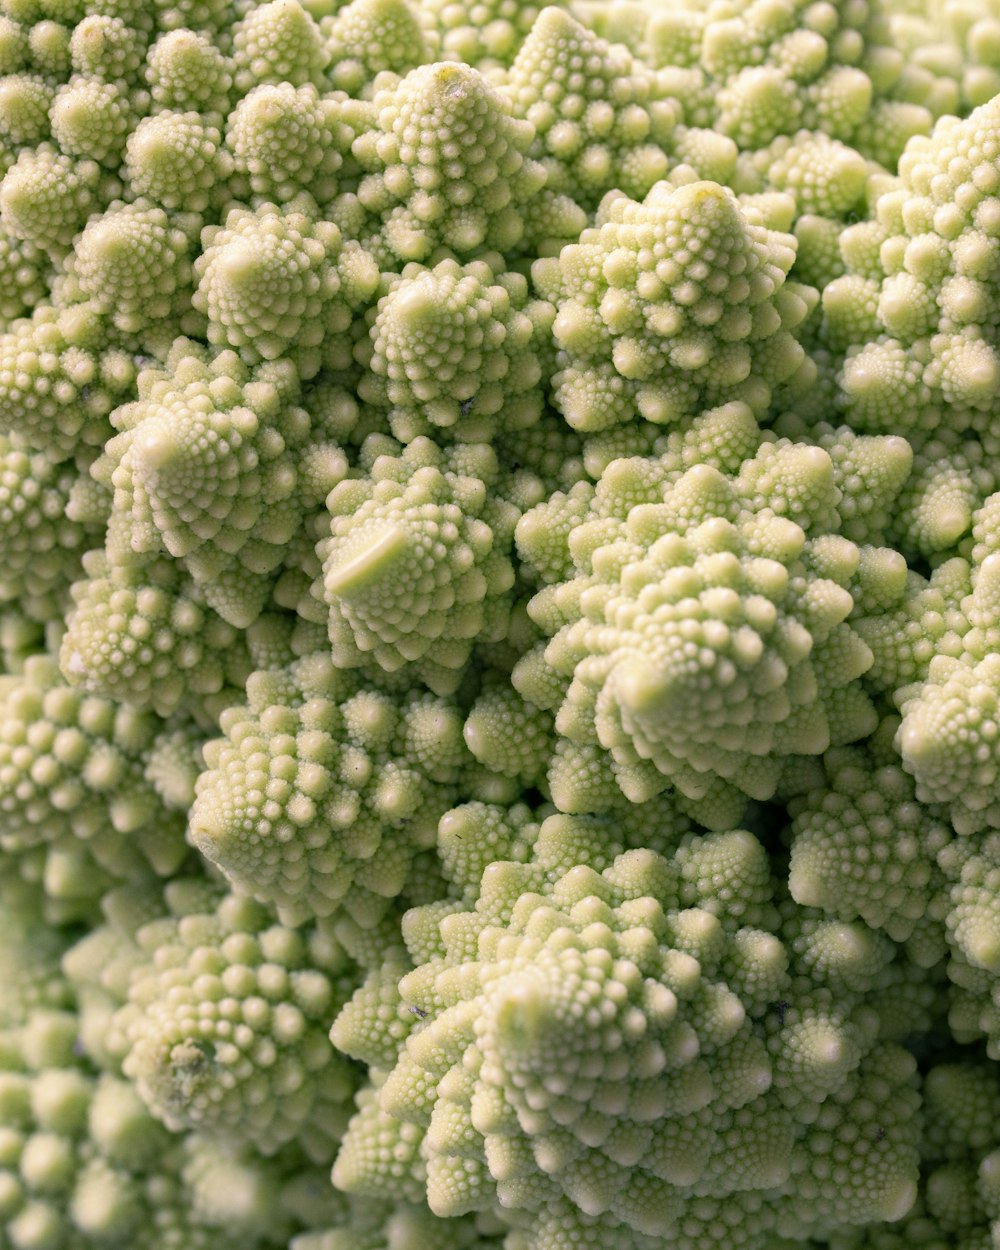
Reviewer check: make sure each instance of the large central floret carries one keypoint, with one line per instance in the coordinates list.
(704, 636)
(596, 1055)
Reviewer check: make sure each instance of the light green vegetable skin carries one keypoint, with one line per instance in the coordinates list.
(499, 625)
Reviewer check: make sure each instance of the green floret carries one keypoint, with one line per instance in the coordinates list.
(73, 789)
(771, 69)
(417, 568)
(187, 72)
(974, 919)
(49, 513)
(325, 788)
(873, 1121)
(499, 625)
(948, 735)
(986, 529)
(484, 33)
(277, 282)
(662, 307)
(721, 438)
(947, 740)
(140, 633)
(869, 470)
(105, 46)
(970, 865)
(951, 478)
(278, 42)
(382, 1150)
(499, 1071)
(756, 104)
(91, 120)
(913, 620)
(100, 965)
(475, 835)
(531, 1035)
(468, 182)
(453, 351)
(882, 135)
(14, 46)
(177, 161)
(861, 846)
(24, 274)
(133, 263)
(207, 468)
(542, 534)
(509, 735)
(962, 1108)
(545, 458)
(938, 262)
(175, 762)
(25, 100)
(77, 1149)
(225, 1028)
(60, 379)
(286, 140)
(817, 255)
(85, 1165)
(958, 1195)
(706, 636)
(712, 155)
(825, 176)
(368, 37)
(876, 375)
(601, 117)
(46, 197)
(238, 1193)
(215, 16)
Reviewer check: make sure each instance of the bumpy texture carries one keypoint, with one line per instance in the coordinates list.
(601, 117)
(660, 306)
(548, 1017)
(288, 140)
(85, 1165)
(367, 37)
(274, 282)
(417, 568)
(141, 631)
(499, 625)
(76, 802)
(325, 788)
(447, 165)
(134, 265)
(225, 1029)
(452, 354)
(704, 636)
(936, 262)
(207, 467)
(60, 378)
(49, 511)
(863, 847)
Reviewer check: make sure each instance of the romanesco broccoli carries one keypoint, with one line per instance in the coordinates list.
(499, 625)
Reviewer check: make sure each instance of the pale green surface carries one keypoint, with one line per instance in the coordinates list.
(499, 554)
